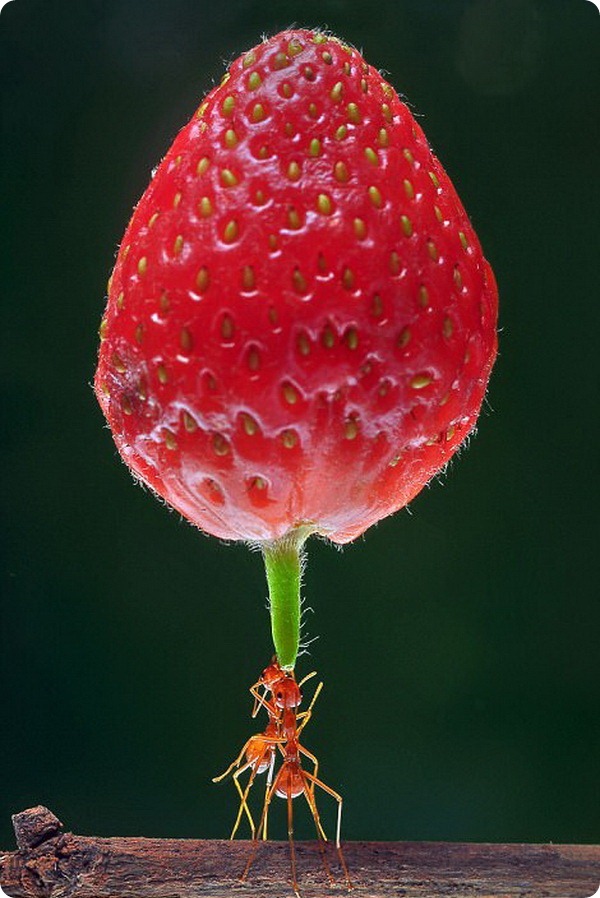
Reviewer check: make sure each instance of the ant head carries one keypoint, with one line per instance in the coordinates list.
(282, 684)
(271, 675)
(286, 692)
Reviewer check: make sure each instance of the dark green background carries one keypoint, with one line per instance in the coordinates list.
(459, 644)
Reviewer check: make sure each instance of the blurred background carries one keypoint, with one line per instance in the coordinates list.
(458, 643)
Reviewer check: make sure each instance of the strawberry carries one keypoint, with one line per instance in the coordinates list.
(300, 323)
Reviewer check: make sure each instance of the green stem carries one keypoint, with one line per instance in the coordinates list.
(283, 564)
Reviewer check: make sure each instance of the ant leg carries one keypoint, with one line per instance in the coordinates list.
(321, 837)
(308, 754)
(257, 768)
(310, 798)
(305, 679)
(268, 786)
(268, 796)
(261, 825)
(234, 764)
(243, 793)
(290, 827)
(261, 701)
(317, 782)
(254, 764)
(338, 831)
(257, 700)
(306, 715)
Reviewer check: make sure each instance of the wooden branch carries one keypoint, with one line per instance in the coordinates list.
(50, 863)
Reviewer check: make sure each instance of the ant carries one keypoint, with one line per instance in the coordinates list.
(260, 749)
(282, 736)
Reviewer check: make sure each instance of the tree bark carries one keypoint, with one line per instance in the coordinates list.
(51, 863)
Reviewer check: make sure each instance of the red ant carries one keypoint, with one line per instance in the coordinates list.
(291, 780)
(260, 749)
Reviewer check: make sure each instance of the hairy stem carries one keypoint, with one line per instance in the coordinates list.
(283, 564)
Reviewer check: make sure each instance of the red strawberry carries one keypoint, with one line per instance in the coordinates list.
(300, 323)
